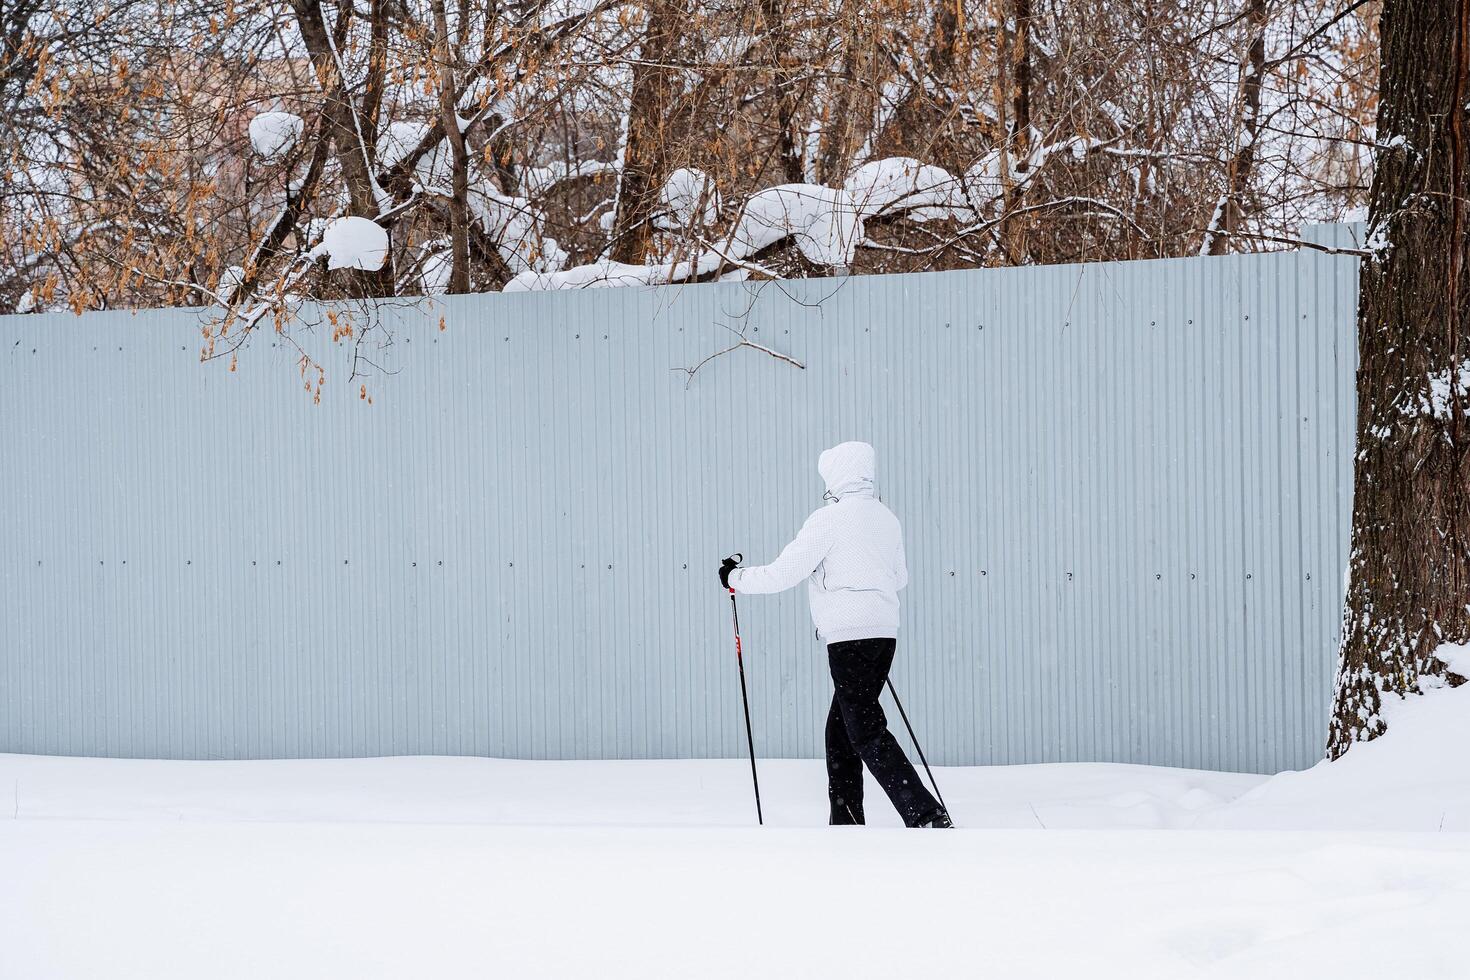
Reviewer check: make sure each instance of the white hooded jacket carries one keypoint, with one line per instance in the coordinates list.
(850, 552)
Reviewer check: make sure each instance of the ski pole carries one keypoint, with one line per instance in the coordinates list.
(745, 700)
(904, 715)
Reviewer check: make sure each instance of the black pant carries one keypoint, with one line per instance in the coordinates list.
(857, 733)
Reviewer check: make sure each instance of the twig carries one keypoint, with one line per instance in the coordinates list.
(1296, 242)
(743, 342)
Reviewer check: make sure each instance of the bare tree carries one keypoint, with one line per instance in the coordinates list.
(498, 144)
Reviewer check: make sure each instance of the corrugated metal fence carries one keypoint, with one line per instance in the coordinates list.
(1125, 490)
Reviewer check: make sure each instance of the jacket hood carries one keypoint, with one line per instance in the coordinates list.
(848, 469)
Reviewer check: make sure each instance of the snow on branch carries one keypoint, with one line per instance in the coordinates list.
(826, 224)
(274, 134)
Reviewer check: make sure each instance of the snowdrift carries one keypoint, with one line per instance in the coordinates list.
(442, 867)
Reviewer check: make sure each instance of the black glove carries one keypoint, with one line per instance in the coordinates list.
(725, 566)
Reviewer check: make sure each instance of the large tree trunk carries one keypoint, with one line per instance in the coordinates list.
(646, 152)
(1409, 573)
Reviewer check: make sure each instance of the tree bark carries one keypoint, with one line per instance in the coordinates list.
(344, 126)
(1409, 570)
(1021, 111)
(916, 125)
(1230, 210)
(459, 217)
(646, 152)
(836, 144)
(788, 147)
(1013, 231)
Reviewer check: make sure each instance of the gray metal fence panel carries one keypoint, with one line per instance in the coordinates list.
(1125, 490)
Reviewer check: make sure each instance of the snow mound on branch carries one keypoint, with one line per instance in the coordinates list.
(689, 199)
(825, 223)
(512, 222)
(928, 192)
(822, 221)
(982, 180)
(434, 171)
(229, 281)
(594, 275)
(515, 225)
(273, 134)
(353, 243)
(436, 268)
(397, 140)
(537, 181)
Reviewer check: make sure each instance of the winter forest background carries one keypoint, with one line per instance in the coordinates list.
(161, 154)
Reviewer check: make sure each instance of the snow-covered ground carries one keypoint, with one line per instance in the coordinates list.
(439, 868)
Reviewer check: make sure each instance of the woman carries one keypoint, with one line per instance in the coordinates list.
(851, 554)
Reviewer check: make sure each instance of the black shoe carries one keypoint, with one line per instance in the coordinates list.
(938, 820)
(846, 815)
